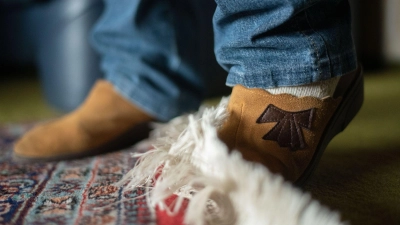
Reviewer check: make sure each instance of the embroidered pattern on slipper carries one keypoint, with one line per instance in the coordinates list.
(287, 132)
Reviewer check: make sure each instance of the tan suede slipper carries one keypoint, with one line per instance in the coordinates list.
(288, 134)
(104, 122)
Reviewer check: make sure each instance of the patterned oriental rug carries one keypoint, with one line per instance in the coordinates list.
(71, 192)
(186, 177)
(67, 192)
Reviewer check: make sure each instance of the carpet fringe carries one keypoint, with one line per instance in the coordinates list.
(189, 160)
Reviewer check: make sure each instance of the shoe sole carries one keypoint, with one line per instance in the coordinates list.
(346, 111)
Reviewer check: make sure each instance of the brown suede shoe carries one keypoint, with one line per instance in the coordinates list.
(288, 134)
(100, 124)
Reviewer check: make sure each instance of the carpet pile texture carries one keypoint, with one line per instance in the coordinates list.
(67, 192)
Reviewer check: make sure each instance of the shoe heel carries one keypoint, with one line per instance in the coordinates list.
(351, 105)
(354, 103)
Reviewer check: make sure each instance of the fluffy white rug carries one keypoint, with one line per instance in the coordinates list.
(189, 160)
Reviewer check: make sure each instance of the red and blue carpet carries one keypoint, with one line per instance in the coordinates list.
(67, 192)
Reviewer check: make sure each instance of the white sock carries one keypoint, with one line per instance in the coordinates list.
(319, 89)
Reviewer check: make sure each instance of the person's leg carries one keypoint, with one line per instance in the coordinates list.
(273, 43)
(153, 56)
(300, 48)
(144, 58)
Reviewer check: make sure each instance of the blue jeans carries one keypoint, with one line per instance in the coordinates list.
(158, 53)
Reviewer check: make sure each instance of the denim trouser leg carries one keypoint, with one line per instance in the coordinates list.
(273, 43)
(158, 53)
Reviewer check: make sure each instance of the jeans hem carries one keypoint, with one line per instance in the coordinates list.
(153, 104)
(326, 69)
